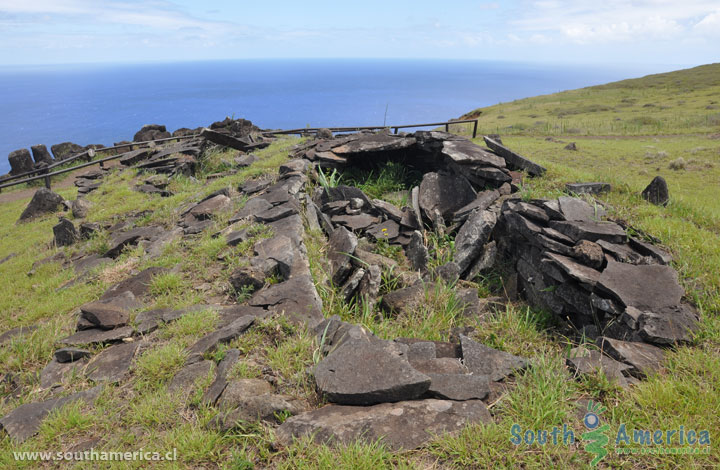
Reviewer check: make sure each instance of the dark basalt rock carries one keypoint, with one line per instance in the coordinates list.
(44, 201)
(151, 132)
(295, 298)
(113, 364)
(482, 360)
(341, 248)
(24, 421)
(591, 231)
(71, 354)
(362, 373)
(417, 252)
(643, 359)
(65, 233)
(184, 381)
(648, 287)
(657, 192)
(464, 152)
(472, 236)
(588, 362)
(216, 388)
(41, 154)
(209, 342)
(588, 188)
(138, 284)
(66, 150)
(20, 162)
(97, 336)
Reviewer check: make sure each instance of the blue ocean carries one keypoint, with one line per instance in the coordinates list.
(102, 104)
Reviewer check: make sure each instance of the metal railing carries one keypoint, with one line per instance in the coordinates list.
(307, 130)
(45, 173)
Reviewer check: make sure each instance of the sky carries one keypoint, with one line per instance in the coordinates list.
(612, 32)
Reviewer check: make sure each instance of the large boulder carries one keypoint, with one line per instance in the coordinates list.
(44, 201)
(20, 161)
(151, 132)
(66, 150)
(65, 233)
(657, 192)
(41, 154)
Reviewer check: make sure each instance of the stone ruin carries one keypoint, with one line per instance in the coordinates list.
(561, 255)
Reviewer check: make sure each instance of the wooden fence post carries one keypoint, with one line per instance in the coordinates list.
(475, 129)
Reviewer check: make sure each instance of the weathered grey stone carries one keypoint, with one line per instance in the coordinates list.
(405, 300)
(121, 240)
(24, 421)
(657, 192)
(280, 249)
(206, 209)
(384, 231)
(648, 288)
(80, 207)
(65, 233)
(254, 206)
(97, 336)
(57, 373)
(41, 154)
(238, 390)
(417, 252)
(112, 364)
(247, 279)
(586, 362)
(266, 407)
(151, 132)
(341, 247)
(184, 381)
(643, 358)
(448, 272)
(105, 314)
(43, 201)
(278, 212)
(348, 289)
(373, 143)
(459, 387)
(485, 262)
(575, 209)
(591, 231)
(388, 422)
(362, 373)
(389, 210)
(255, 185)
(71, 354)
(513, 160)
(577, 271)
(646, 249)
(355, 223)
(295, 298)
(464, 152)
(138, 285)
(471, 238)
(216, 388)
(588, 188)
(483, 200)
(532, 212)
(209, 342)
(65, 150)
(444, 193)
(589, 253)
(20, 162)
(668, 325)
(482, 360)
(7, 336)
(369, 287)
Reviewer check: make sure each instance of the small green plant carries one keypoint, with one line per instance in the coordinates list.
(330, 180)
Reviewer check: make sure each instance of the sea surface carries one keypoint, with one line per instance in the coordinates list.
(103, 104)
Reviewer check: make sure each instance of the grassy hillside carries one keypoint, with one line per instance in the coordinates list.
(681, 102)
(143, 413)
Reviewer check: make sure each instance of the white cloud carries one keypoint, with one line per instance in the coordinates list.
(612, 21)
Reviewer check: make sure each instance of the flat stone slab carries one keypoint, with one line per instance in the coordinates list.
(588, 188)
(405, 300)
(588, 362)
(71, 354)
(371, 143)
(645, 287)
(112, 364)
(402, 425)
(184, 381)
(209, 342)
(55, 372)
(365, 373)
(464, 152)
(266, 407)
(575, 209)
(483, 360)
(459, 387)
(217, 387)
(138, 284)
(643, 358)
(513, 160)
(97, 336)
(575, 270)
(296, 298)
(355, 223)
(238, 390)
(590, 230)
(25, 420)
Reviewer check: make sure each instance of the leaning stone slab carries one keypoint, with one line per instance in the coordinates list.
(216, 388)
(464, 152)
(575, 270)
(482, 360)
(139, 284)
(590, 230)
(209, 342)
(444, 194)
(459, 387)
(472, 237)
(24, 421)
(363, 373)
(341, 247)
(402, 425)
(513, 160)
(112, 364)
